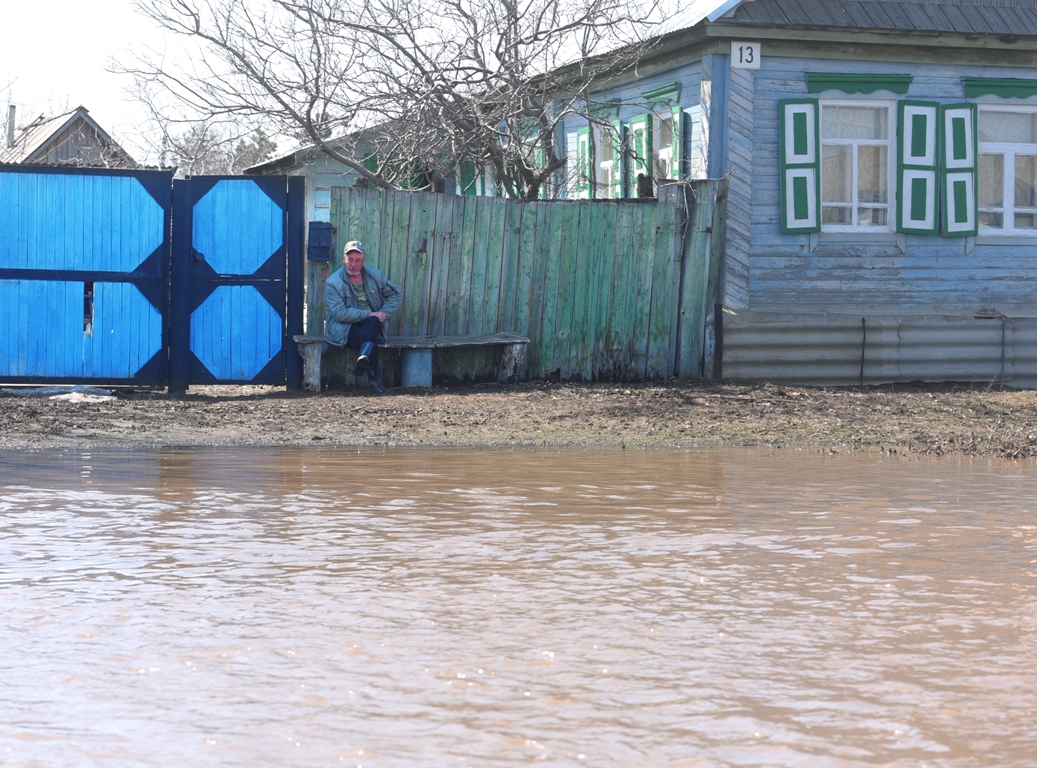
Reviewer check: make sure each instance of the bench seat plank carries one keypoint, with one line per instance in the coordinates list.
(440, 342)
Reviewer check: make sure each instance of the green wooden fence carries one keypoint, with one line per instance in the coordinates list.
(603, 289)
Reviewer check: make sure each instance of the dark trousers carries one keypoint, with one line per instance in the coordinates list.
(361, 333)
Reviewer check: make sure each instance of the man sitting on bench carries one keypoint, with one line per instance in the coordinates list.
(360, 301)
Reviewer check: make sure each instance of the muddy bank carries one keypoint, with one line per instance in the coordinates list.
(911, 420)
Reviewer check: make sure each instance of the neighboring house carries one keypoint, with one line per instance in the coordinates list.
(72, 138)
(881, 158)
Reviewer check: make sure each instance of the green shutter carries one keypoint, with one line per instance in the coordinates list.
(677, 165)
(640, 144)
(468, 179)
(800, 166)
(584, 164)
(959, 164)
(918, 166)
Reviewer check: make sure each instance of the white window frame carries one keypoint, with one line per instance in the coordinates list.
(1008, 151)
(603, 169)
(663, 157)
(890, 142)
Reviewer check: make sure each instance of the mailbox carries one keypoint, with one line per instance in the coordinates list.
(319, 243)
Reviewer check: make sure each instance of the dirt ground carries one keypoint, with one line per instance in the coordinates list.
(922, 420)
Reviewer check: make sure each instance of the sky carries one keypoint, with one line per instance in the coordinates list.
(54, 54)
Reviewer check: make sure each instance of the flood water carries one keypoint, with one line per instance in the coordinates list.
(434, 608)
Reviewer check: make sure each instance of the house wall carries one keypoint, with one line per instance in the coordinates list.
(835, 308)
(850, 272)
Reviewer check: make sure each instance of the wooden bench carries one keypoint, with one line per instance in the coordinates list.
(416, 355)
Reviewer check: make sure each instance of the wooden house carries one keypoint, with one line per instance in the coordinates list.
(71, 138)
(881, 157)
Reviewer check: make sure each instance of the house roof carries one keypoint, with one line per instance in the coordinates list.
(40, 138)
(970, 17)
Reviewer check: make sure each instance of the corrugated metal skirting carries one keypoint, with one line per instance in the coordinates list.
(844, 349)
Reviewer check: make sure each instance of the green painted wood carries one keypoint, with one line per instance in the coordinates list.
(498, 236)
(395, 259)
(509, 279)
(581, 345)
(640, 292)
(526, 273)
(556, 244)
(480, 246)
(540, 359)
(442, 255)
(420, 244)
(602, 279)
(565, 297)
(857, 82)
(620, 307)
(665, 285)
(486, 304)
(454, 365)
(694, 282)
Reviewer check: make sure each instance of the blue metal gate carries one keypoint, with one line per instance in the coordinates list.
(127, 277)
(84, 268)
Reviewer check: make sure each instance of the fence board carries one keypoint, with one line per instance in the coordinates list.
(582, 340)
(422, 241)
(442, 253)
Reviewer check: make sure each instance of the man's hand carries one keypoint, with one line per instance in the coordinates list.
(380, 315)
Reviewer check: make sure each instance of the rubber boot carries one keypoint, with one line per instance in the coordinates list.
(374, 379)
(363, 362)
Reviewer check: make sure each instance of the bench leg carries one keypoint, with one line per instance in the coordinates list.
(416, 368)
(311, 355)
(512, 363)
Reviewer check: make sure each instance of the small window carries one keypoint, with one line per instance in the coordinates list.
(1008, 170)
(856, 156)
(664, 161)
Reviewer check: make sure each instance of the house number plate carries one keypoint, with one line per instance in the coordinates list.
(745, 55)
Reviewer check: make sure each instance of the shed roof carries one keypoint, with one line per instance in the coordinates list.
(970, 17)
(40, 138)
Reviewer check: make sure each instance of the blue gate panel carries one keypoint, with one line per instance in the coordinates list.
(47, 333)
(237, 227)
(235, 332)
(57, 221)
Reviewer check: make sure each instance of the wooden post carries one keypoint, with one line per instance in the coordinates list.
(311, 348)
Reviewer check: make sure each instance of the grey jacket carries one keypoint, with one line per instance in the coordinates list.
(383, 295)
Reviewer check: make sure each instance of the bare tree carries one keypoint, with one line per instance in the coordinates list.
(400, 91)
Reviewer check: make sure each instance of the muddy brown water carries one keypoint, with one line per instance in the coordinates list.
(478, 608)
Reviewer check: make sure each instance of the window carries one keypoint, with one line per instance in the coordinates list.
(1008, 170)
(856, 156)
(665, 160)
(610, 168)
(845, 168)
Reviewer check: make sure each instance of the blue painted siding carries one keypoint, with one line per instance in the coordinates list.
(840, 272)
(237, 227)
(45, 335)
(76, 222)
(235, 333)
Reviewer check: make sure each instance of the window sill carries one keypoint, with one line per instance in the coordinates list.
(862, 236)
(989, 238)
(888, 238)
